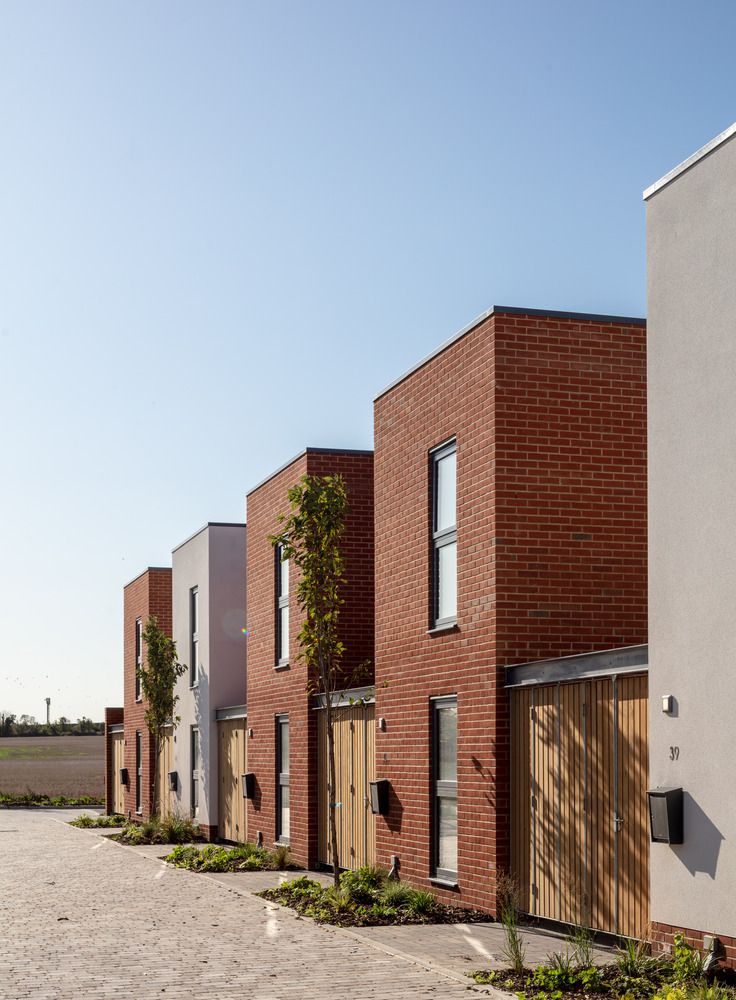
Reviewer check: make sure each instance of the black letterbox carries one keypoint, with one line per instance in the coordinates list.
(123, 775)
(665, 815)
(379, 796)
(173, 781)
(249, 785)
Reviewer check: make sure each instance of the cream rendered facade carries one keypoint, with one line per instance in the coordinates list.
(208, 589)
(691, 234)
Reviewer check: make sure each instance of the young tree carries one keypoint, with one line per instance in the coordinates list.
(310, 538)
(158, 674)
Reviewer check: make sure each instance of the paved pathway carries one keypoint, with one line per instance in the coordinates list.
(81, 917)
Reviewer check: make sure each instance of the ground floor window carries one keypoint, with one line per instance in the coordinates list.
(138, 773)
(196, 764)
(444, 787)
(282, 779)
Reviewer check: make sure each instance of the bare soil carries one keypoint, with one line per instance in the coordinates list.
(53, 765)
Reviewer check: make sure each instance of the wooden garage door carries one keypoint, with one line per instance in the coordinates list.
(579, 844)
(355, 766)
(117, 762)
(231, 764)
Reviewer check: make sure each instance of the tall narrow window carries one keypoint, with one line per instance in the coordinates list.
(282, 607)
(138, 772)
(138, 656)
(282, 779)
(196, 764)
(444, 712)
(444, 535)
(194, 631)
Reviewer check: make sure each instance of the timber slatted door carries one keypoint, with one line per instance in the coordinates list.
(231, 764)
(579, 839)
(118, 762)
(165, 764)
(354, 728)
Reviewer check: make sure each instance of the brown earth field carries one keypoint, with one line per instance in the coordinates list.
(53, 765)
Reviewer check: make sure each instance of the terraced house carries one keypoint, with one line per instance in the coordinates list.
(510, 504)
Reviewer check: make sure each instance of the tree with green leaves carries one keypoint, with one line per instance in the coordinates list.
(310, 539)
(158, 674)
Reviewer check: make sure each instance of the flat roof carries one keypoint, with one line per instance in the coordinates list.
(512, 311)
(209, 524)
(309, 451)
(148, 569)
(698, 155)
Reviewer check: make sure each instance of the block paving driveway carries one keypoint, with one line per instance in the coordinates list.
(84, 918)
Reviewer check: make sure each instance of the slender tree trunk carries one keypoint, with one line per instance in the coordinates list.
(155, 791)
(333, 788)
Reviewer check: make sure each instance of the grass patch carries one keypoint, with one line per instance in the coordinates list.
(243, 858)
(366, 898)
(635, 975)
(173, 829)
(33, 799)
(86, 822)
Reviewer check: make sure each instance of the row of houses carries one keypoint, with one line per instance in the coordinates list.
(495, 616)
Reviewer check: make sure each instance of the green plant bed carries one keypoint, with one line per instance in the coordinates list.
(635, 975)
(172, 830)
(243, 858)
(86, 822)
(35, 799)
(366, 898)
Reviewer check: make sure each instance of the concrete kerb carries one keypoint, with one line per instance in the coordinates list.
(103, 835)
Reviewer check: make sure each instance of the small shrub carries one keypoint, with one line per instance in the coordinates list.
(82, 821)
(687, 962)
(281, 859)
(581, 941)
(396, 895)
(177, 829)
(85, 822)
(364, 884)
(507, 896)
(421, 903)
(484, 978)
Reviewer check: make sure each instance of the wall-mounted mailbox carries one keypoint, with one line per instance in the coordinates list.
(249, 785)
(173, 781)
(665, 815)
(123, 775)
(379, 796)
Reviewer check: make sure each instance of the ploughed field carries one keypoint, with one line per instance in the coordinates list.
(53, 765)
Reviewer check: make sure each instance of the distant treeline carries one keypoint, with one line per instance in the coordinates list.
(26, 725)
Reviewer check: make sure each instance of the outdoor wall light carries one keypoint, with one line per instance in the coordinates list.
(123, 775)
(666, 815)
(173, 781)
(249, 785)
(250, 734)
(668, 703)
(382, 724)
(379, 796)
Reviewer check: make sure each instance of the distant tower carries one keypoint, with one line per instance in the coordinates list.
(48, 711)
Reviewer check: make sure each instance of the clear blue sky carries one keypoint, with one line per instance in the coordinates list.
(224, 227)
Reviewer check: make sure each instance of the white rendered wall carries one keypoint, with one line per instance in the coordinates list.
(214, 562)
(691, 227)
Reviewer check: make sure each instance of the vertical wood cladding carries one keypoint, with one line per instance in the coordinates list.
(550, 423)
(276, 691)
(149, 594)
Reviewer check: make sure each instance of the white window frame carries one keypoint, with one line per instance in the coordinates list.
(441, 537)
(195, 770)
(194, 637)
(282, 602)
(282, 780)
(138, 658)
(441, 789)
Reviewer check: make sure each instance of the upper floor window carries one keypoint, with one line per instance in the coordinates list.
(194, 632)
(282, 607)
(444, 534)
(138, 657)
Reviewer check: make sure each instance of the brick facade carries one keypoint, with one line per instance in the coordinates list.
(113, 717)
(276, 691)
(149, 594)
(663, 939)
(548, 411)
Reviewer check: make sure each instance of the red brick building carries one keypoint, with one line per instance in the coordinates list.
(146, 595)
(282, 725)
(510, 512)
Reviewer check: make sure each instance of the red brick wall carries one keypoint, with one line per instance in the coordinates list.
(149, 594)
(663, 939)
(549, 417)
(273, 692)
(113, 717)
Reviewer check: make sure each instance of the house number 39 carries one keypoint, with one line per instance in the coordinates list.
(674, 753)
